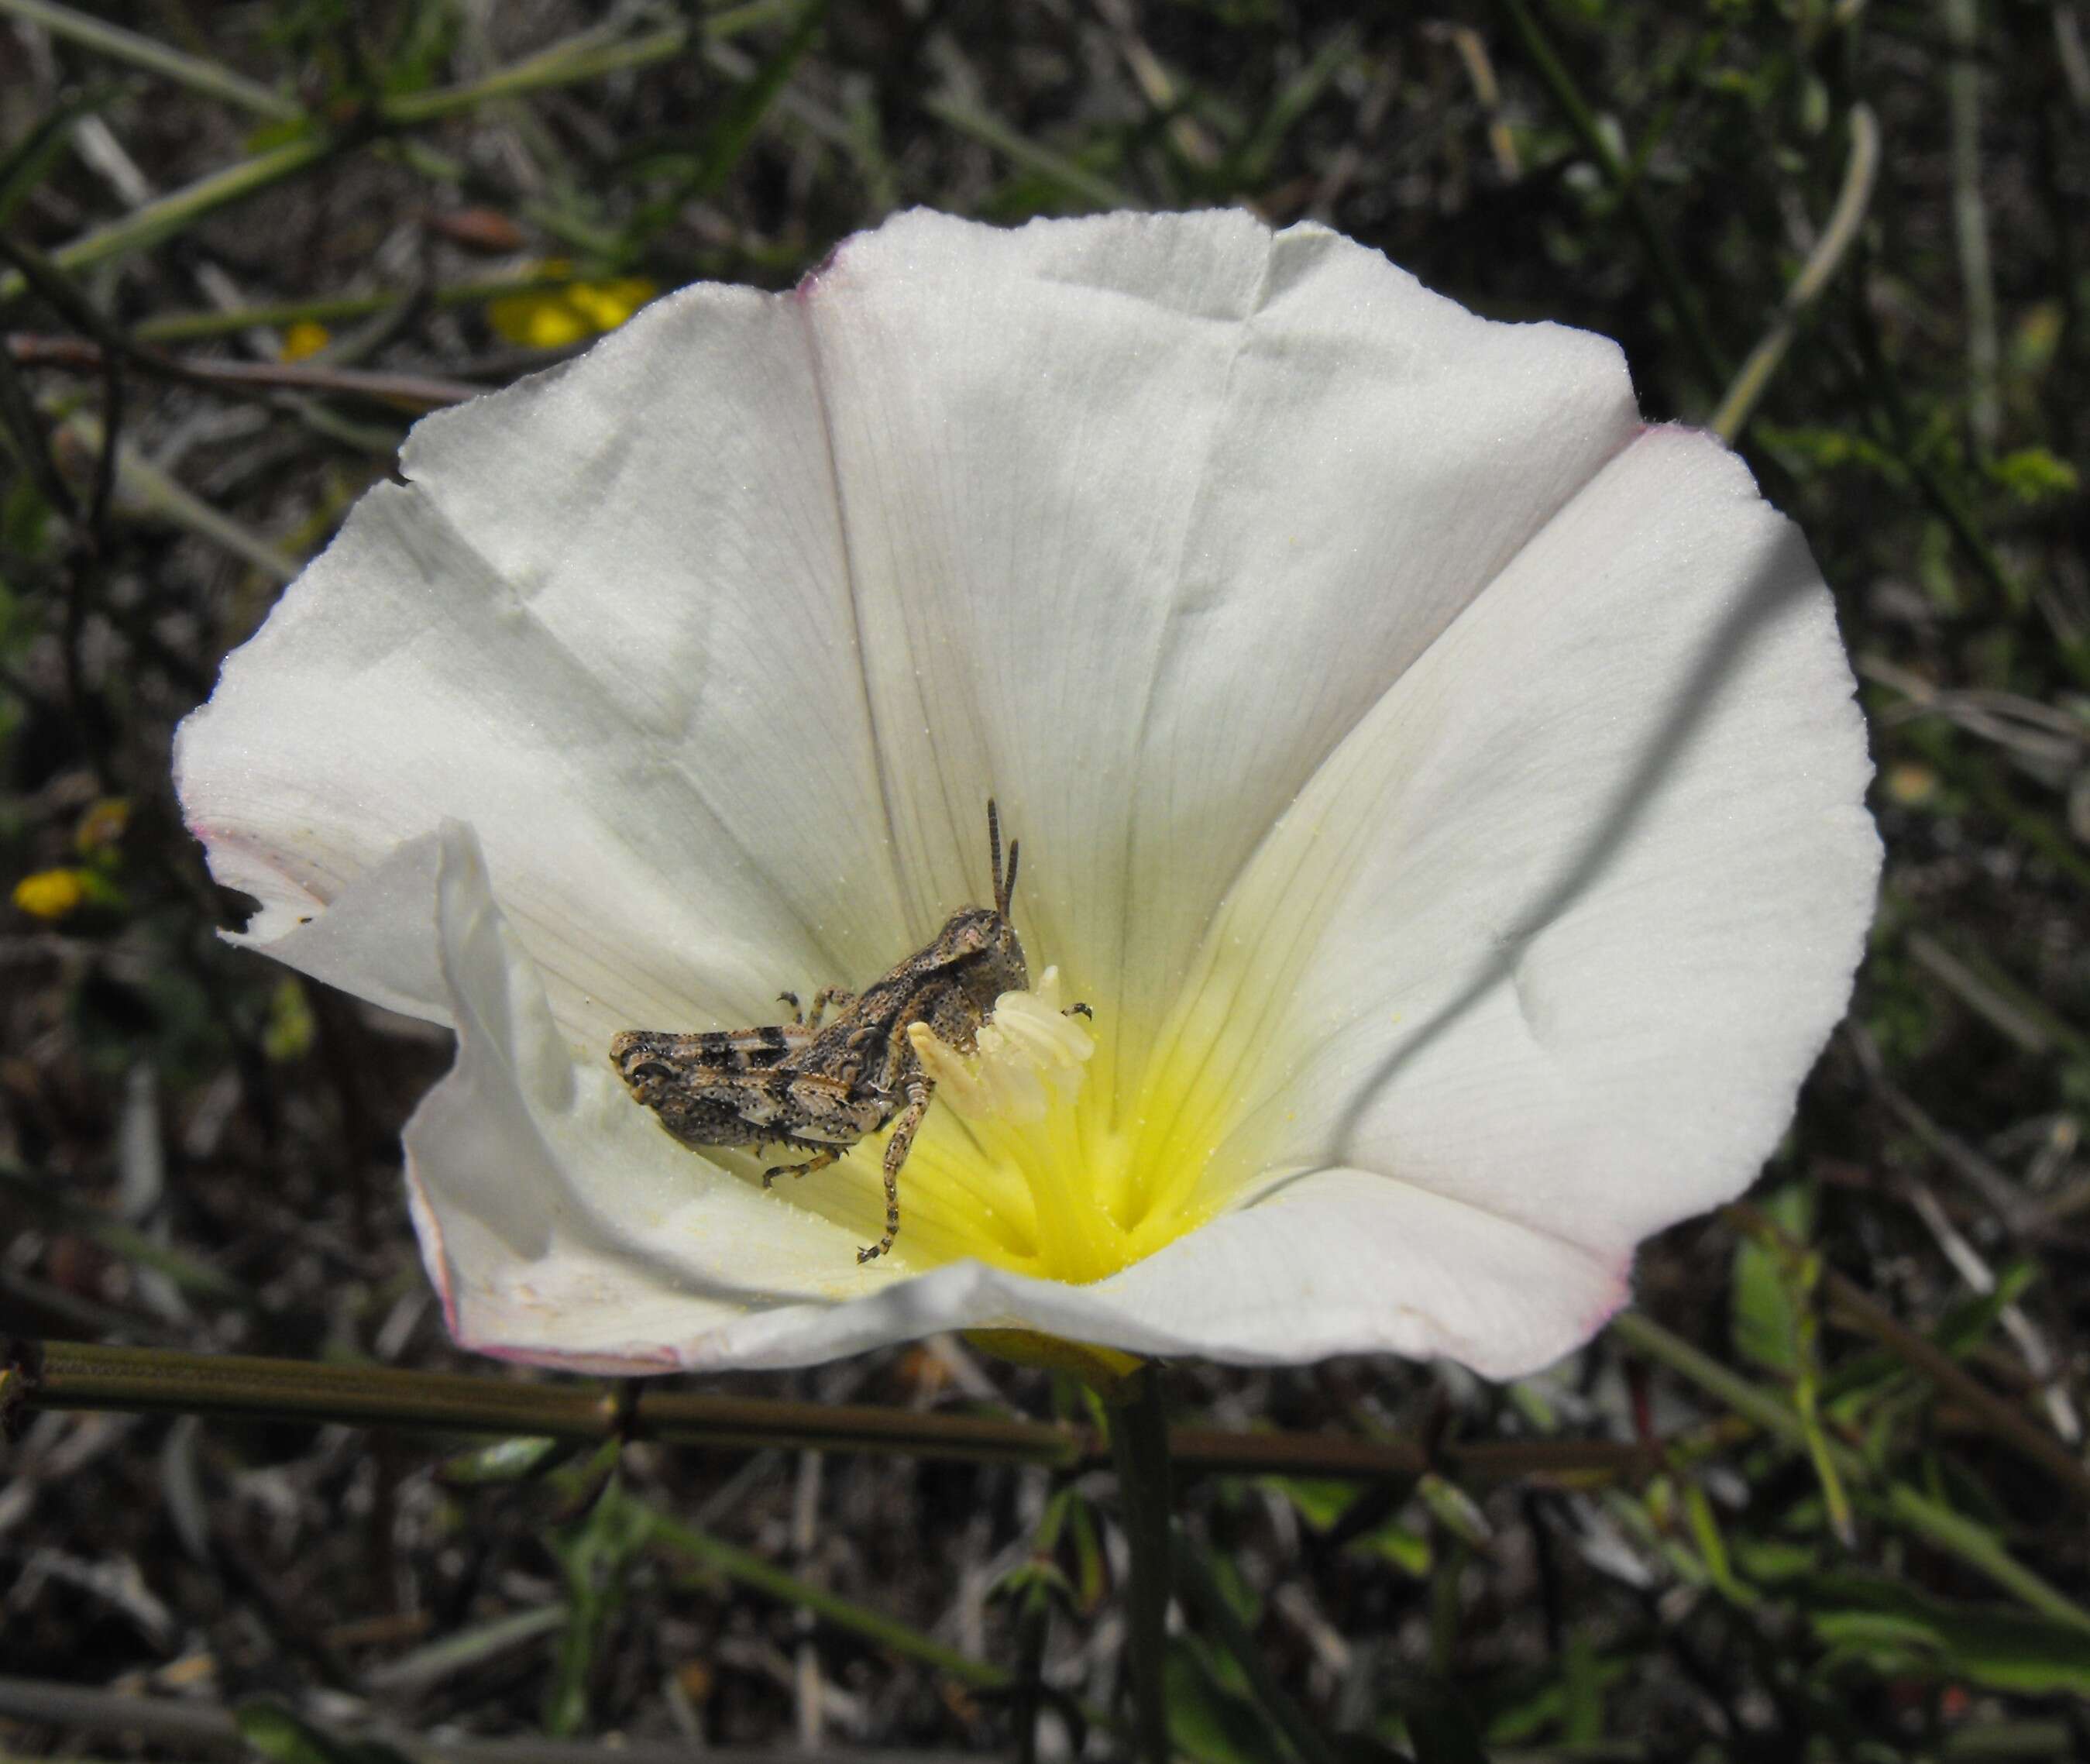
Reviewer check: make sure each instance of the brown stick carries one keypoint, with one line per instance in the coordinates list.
(75, 1375)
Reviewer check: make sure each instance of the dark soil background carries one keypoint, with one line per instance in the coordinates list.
(1845, 1552)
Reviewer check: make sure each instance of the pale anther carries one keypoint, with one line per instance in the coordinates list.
(1029, 1051)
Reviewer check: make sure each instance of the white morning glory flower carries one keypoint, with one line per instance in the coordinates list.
(1446, 789)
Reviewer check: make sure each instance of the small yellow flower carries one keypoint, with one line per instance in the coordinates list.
(101, 828)
(608, 304)
(1912, 783)
(288, 1029)
(51, 894)
(555, 317)
(305, 339)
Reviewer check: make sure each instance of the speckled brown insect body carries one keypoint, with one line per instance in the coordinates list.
(819, 1084)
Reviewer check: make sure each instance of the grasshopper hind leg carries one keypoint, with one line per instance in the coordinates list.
(919, 1089)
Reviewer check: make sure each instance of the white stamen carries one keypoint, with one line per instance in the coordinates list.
(1029, 1054)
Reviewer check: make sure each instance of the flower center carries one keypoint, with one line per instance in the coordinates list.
(1029, 1056)
(1023, 1160)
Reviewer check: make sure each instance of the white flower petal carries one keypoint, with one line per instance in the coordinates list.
(605, 621)
(385, 949)
(1560, 928)
(557, 1220)
(1343, 1263)
(1143, 512)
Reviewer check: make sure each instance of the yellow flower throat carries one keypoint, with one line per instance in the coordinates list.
(1024, 1160)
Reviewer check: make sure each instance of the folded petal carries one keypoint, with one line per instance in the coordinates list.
(557, 1220)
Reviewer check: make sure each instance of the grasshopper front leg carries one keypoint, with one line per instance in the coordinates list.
(840, 996)
(819, 1160)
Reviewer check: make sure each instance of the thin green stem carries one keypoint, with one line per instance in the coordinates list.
(1209, 1607)
(1860, 172)
(746, 1568)
(1983, 987)
(261, 379)
(1447, 1612)
(25, 164)
(198, 76)
(1020, 150)
(583, 57)
(111, 345)
(2004, 1419)
(588, 56)
(1033, 1625)
(743, 114)
(1661, 257)
(1139, 1448)
(1766, 1411)
(332, 309)
(1958, 1536)
(569, 229)
(750, 1570)
(179, 210)
(73, 1375)
(1900, 1503)
(156, 492)
(1970, 222)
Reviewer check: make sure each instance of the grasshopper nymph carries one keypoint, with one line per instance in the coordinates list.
(819, 1084)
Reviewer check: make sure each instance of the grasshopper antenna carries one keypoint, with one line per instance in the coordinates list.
(1004, 884)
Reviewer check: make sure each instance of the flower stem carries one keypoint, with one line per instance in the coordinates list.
(1139, 1448)
(1933, 1522)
